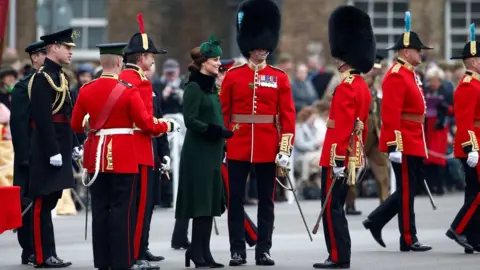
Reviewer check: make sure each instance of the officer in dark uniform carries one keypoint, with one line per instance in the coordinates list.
(21, 133)
(51, 144)
(161, 177)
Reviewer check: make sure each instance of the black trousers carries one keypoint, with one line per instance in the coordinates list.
(144, 196)
(401, 202)
(113, 220)
(42, 226)
(467, 220)
(335, 224)
(24, 233)
(180, 232)
(265, 175)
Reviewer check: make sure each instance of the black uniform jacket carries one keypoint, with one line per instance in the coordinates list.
(21, 135)
(51, 134)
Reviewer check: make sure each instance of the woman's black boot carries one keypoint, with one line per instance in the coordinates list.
(195, 252)
(207, 223)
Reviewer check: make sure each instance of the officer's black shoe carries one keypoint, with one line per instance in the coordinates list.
(30, 260)
(185, 245)
(375, 231)
(237, 260)
(460, 239)
(352, 211)
(328, 264)
(417, 246)
(152, 258)
(264, 259)
(144, 264)
(53, 262)
(475, 248)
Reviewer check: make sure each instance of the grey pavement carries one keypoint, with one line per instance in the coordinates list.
(292, 248)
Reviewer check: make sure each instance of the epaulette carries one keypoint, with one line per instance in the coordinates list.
(127, 84)
(349, 79)
(277, 68)
(396, 68)
(239, 66)
(467, 79)
(88, 83)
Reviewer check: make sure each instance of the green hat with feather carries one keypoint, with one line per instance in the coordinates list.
(211, 48)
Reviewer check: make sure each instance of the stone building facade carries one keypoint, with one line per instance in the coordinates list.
(180, 25)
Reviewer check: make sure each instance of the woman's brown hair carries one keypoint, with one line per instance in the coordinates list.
(305, 113)
(197, 60)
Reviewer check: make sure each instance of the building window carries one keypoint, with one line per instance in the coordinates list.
(89, 17)
(459, 14)
(388, 20)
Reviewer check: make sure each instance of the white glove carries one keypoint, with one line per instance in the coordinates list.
(339, 171)
(77, 153)
(56, 160)
(165, 166)
(175, 126)
(472, 159)
(282, 160)
(395, 157)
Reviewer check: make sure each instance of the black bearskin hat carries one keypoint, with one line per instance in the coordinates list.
(258, 26)
(351, 37)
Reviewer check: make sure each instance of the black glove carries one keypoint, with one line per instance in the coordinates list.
(214, 132)
(227, 134)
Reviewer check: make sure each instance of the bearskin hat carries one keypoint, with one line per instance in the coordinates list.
(258, 26)
(351, 37)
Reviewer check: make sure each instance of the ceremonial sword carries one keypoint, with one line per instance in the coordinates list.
(434, 206)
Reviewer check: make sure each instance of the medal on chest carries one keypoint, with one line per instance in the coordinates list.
(268, 81)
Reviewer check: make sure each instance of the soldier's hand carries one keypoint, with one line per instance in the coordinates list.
(282, 160)
(56, 160)
(339, 172)
(77, 153)
(472, 159)
(174, 126)
(395, 157)
(165, 166)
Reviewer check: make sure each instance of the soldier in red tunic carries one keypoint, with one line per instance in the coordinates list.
(139, 57)
(255, 97)
(402, 137)
(352, 44)
(465, 227)
(113, 106)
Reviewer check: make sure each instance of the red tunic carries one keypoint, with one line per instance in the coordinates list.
(351, 100)
(403, 112)
(143, 141)
(253, 103)
(118, 152)
(466, 104)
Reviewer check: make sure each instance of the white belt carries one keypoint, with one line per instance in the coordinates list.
(98, 155)
(114, 131)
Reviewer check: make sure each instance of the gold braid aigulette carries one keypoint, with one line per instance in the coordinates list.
(61, 90)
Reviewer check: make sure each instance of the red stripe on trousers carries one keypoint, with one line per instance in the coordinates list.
(328, 213)
(141, 210)
(37, 231)
(471, 210)
(407, 234)
(246, 224)
(128, 222)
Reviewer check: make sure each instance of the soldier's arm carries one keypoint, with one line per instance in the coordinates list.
(287, 115)
(41, 113)
(226, 98)
(142, 119)
(464, 108)
(392, 103)
(20, 122)
(78, 114)
(344, 108)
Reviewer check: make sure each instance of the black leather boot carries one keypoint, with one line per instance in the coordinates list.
(53, 262)
(264, 259)
(207, 223)
(328, 264)
(195, 252)
(153, 258)
(375, 231)
(416, 247)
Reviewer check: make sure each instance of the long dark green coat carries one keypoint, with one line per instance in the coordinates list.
(200, 189)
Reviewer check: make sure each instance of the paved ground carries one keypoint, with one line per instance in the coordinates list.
(291, 246)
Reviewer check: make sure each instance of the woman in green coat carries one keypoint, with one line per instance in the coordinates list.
(200, 190)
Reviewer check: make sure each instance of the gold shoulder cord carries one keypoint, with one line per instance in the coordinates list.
(61, 90)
